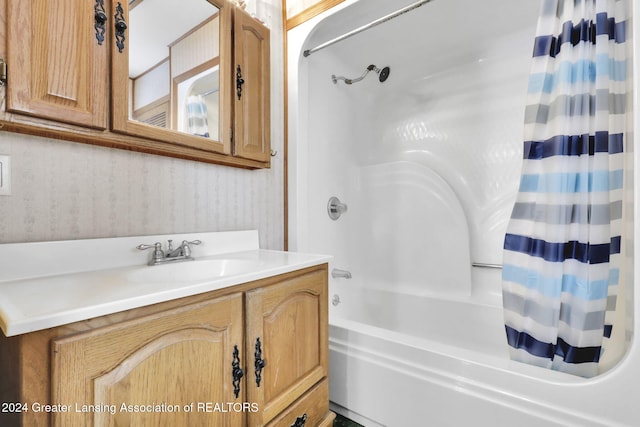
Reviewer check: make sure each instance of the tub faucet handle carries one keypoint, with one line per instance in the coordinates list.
(335, 208)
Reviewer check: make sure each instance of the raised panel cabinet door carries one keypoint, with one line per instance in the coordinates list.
(252, 114)
(169, 369)
(57, 60)
(290, 321)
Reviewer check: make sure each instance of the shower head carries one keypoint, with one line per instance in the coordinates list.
(383, 75)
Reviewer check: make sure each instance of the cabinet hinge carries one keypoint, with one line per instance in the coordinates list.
(231, 135)
(3, 72)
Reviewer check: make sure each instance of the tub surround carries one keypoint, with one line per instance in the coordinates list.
(105, 330)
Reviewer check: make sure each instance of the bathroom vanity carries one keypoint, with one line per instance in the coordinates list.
(167, 345)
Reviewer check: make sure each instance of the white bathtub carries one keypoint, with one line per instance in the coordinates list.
(427, 163)
(404, 360)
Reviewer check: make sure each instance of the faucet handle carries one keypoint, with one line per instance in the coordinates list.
(157, 250)
(186, 250)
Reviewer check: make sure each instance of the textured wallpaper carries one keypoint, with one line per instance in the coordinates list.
(64, 190)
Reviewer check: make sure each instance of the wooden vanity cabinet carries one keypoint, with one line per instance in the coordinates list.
(184, 353)
(285, 325)
(164, 361)
(68, 79)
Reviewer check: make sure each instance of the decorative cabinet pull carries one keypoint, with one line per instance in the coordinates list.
(239, 82)
(300, 421)
(100, 17)
(236, 371)
(121, 27)
(259, 362)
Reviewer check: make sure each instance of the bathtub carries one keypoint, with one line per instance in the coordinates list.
(401, 360)
(428, 164)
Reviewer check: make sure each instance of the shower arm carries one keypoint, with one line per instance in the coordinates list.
(335, 78)
(383, 75)
(372, 67)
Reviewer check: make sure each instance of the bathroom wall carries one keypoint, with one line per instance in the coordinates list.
(64, 190)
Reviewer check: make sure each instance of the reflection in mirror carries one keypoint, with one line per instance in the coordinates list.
(174, 65)
(200, 96)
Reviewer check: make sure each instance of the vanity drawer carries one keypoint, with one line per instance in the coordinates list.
(313, 405)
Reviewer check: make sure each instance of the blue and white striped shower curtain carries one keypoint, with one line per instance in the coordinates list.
(562, 247)
(197, 116)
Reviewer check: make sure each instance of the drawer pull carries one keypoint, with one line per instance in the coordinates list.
(259, 362)
(300, 421)
(236, 371)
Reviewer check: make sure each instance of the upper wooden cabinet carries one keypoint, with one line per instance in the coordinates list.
(179, 52)
(158, 76)
(58, 71)
(252, 104)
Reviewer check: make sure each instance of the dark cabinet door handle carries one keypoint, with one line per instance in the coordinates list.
(300, 421)
(259, 362)
(239, 82)
(120, 27)
(236, 372)
(100, 18)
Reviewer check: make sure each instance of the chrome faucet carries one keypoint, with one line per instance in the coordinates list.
(181, 253)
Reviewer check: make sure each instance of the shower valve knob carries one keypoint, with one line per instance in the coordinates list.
(335, 208)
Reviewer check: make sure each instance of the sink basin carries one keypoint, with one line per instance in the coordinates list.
(189, 271)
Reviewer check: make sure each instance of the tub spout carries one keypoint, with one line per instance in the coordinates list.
(337, 273)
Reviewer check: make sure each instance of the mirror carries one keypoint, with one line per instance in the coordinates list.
(174, 66)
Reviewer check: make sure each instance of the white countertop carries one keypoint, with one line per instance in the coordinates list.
(74, 287)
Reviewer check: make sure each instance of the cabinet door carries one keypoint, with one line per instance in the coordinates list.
(290, 321)
(57, 60)
(175, 366)
(252, 132)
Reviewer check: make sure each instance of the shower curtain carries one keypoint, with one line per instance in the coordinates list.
(197, 116)
(562, 247)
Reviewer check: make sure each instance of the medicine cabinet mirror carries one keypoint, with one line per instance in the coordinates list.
(172, 73)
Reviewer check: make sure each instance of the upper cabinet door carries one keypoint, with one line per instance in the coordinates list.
(172, 71)
(57, 55)
(252, 102)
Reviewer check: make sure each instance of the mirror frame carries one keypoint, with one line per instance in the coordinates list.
(120, 98)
